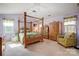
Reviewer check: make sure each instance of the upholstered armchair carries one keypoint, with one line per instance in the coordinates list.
(67, 40)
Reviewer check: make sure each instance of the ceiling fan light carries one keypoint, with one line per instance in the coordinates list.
(34, 11)
(49, 15)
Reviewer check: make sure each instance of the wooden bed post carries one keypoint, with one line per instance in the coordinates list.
(42, 27)
(25, 30)
(0, 46)
(18, 30)
(30, 26)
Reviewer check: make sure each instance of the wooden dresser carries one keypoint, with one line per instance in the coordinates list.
(0, 46)
(54, 30)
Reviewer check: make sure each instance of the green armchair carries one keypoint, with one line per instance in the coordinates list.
(67, 40)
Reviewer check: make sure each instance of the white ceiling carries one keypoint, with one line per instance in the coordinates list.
(42, 9)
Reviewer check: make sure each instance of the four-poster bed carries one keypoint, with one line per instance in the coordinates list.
(30, 37)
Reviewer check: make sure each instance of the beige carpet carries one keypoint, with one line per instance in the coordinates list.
(46, 48)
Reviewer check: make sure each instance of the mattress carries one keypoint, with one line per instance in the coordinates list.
(29, 35)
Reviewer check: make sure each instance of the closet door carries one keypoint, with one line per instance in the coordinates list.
(47, 32)
(54, 30)
(57, 29)
(50, 30)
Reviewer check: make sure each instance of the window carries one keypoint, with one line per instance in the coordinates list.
(70, 24)
(8, 26)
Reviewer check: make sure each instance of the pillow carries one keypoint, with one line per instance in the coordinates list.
(67, 35)
(73, 35)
